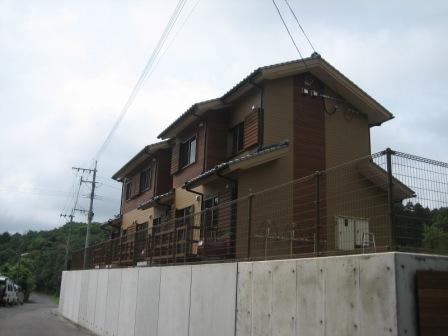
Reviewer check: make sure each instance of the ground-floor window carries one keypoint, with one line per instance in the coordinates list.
(210, 218)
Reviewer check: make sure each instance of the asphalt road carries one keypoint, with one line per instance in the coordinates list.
(37, 318)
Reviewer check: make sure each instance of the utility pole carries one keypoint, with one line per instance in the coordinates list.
(90, 213)
(67, 246)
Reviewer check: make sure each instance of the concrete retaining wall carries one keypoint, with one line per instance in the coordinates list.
(347, 295)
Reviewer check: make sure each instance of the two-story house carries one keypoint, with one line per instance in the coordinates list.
(281, 123)
(144, 177)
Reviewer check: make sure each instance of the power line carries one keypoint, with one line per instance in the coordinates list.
(289, 33)
(90, 212)
(300, 26)
(174, 36)
(143, 76)
(70, 223)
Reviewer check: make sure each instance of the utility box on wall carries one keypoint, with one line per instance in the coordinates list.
(350, 232)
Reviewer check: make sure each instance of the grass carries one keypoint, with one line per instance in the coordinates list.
(54, 298)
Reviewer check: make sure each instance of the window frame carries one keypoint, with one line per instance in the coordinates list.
(184, 219)
(210, 218)
(182, 155)
(237, 132)
(146, 172)
(128, 190)
(141, 227)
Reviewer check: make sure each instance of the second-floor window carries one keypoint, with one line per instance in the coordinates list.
(142, 227)
(145, 180)
(188, 152)
(237, 138)
(128, 190)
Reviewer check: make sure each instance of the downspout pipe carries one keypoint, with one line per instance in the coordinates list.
(156, 168)
(197, 193)
(204, 120)
(261, 114)
(194, 192)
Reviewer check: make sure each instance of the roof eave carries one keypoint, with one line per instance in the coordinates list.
(148, 151)
(193, 112)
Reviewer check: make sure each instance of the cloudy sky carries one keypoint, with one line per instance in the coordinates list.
(67, 68)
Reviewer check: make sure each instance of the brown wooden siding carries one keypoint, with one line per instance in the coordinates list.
(160, 181)
(175, 156)
(251, 128)
(137, 197)
(309, 157)
(164, 180)
(217, 130)
(432, 295)
(187, 173)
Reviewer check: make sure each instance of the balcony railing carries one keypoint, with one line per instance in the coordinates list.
(383, 202)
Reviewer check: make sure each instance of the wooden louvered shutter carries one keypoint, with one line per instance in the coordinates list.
(251, 124)
(135, 185)
(175, 156)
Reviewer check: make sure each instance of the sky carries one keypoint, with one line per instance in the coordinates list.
(67, 68)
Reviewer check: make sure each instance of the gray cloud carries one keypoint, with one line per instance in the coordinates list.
(66, 69)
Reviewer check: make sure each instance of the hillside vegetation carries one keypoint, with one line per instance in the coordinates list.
(41, 268)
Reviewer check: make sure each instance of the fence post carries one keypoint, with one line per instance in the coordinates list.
(317, 220)
(390, 193)
(249, 231)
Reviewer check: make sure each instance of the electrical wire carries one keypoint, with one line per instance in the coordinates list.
(143, 76)
(175, 35)
(72, 212)
(300, 26)
(289, 33)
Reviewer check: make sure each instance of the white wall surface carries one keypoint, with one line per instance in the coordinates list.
(364, 295)
(174, 302)
(128, 300)
(101, 302)
(212, 302)
(83, 298)
(91, 299)
(147, 310)
(113, 301)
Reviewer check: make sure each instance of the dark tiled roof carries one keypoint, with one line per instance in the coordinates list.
(233, 89)
(224, 165)
(256, 72)
(146, 150)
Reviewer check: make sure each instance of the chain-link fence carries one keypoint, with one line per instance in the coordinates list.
(383, 202)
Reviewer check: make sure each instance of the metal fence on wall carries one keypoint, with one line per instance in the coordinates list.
(382, 202)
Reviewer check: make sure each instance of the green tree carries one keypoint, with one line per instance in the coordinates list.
(42, 267)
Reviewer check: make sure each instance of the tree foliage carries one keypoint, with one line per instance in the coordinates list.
(42, 267)
(421, 227)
